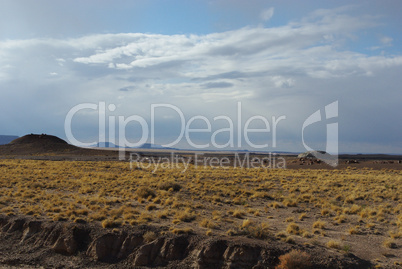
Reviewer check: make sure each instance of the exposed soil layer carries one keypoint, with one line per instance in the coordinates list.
(32, 242)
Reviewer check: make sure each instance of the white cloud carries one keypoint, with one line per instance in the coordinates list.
(281, 82)
(267, 14)
(309, 47)
(251, 64)
(386, 40)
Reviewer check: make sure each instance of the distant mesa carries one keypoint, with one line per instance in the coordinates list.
(105, 145)
(143, 146)
(152, 146)
(5, 139)
(148, 146)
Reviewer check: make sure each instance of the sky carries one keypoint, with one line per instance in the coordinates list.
(209, 62)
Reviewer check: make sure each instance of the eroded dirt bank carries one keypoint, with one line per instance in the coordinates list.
(30, 242)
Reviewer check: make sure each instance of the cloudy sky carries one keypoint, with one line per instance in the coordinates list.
(207, 59)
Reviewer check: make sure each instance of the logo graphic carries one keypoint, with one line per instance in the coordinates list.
(331, 111)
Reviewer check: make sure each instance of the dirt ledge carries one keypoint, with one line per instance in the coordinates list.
(31, 242)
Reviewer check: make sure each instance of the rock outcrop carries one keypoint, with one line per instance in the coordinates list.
(74, 245)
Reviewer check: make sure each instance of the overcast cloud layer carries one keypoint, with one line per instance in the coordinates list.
(291, 69)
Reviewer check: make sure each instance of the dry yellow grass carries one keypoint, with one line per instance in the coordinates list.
(238, 202)
(334, 244)
(206, 223)
(302, 216)
(319, 224)
(294, 259)
(149, 236)
(293, 228)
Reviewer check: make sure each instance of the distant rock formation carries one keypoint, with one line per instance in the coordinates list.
(310, 154)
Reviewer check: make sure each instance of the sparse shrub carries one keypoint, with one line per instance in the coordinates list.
(334, 244)
(306, 234)
(325, 212)
(251, 210)
(182, 231)
(355, 209)
(85, 189)
(185, 216)
(395, 234)
(149, 236)
(145, 192)
(246, 223)
(290, 203)
(350, 199)
(293, 228)
(238, 214)
(239, 201)
(354, 230)
(99, 216)
(370, 225)
(216, 215)
(346, 248)
(169, 186)
(281, 235)
(206, 223)
(251, 229)
(302, 216)
(163, 214)
(145, 217)
(389, 243)
(290, 240)
(319, 224)
(275, 205)
(150, 207)
(340, 219)
(59, 217)
(79, 220)
(157, 200)
(109, 223)
(259, 194)
(295, 259)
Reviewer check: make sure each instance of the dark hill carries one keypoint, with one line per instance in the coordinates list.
(42, 139)
(50, 146)
(36, 144)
